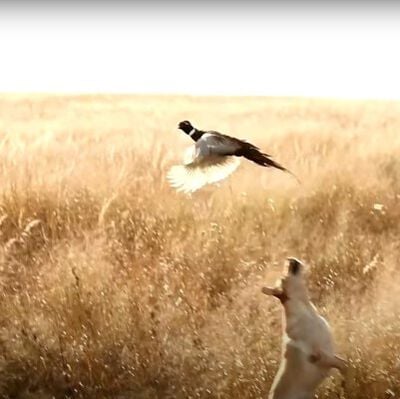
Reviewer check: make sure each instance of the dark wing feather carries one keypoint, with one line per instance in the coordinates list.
(253, 153)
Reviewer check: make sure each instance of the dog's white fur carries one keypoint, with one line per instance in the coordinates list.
(307, 349)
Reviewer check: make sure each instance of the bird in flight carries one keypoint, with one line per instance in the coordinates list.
(213, 157)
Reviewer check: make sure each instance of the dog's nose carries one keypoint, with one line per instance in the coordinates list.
(294, 265)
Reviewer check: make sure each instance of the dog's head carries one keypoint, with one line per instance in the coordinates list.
(294, 267)
(292, 285)
(293, 282)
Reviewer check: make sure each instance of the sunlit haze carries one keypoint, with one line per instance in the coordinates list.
(224, 49)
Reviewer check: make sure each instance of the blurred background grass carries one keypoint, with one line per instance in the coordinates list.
(113, 285)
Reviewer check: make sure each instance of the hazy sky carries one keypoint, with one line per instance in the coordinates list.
(249, 48)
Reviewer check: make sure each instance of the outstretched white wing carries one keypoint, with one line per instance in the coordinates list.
(207, 162)
(190, 177)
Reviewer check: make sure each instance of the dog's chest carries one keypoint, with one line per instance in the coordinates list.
(299, 318)
(306, 328)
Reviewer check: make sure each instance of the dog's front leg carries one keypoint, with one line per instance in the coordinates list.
(339, 363)
(325, 360)
(276, 292)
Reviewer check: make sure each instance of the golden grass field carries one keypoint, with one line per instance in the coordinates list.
(115, 286)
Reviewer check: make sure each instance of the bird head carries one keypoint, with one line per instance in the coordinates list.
(186, 126)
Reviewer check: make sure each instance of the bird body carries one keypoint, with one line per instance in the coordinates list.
(213, 157)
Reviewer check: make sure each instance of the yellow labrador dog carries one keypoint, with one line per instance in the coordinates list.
(308, 350)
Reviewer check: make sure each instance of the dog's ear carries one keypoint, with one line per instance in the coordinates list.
(295, 266)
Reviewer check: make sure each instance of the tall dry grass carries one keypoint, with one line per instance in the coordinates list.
(114, 286)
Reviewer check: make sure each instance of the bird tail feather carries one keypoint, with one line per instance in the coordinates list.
(253, 154)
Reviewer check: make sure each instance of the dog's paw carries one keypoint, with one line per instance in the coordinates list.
(341, 364)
